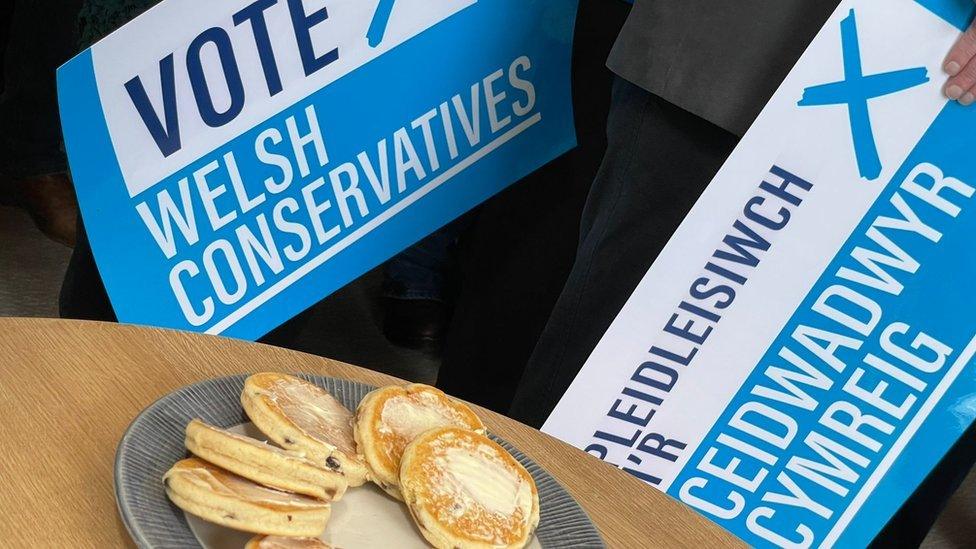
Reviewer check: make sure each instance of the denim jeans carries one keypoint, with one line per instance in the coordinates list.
(423, 271)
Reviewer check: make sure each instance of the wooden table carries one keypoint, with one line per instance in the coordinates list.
(69, 389)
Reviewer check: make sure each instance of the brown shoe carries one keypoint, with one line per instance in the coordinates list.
(50, 201)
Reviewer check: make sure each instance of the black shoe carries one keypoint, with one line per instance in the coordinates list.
(417, 324)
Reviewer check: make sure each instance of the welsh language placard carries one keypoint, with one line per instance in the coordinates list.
(236, 161)
(800, 356)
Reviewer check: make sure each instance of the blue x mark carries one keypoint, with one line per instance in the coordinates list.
(855, 91)
(381, 18)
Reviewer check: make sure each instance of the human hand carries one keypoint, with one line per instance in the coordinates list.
(960, 64)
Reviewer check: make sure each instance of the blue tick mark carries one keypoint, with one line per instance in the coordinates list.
(855, 91)
(377, 28)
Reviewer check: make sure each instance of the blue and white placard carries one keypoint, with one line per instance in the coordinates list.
(236, 161)
(800, 355)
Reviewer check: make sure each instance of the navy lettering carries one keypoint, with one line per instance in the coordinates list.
(167, 138)
(303, 23)
(262, 40)
(198, 81)
(782, 191)
(699, 292)
(739, 244)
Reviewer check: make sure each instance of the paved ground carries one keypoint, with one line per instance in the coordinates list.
(345, 327)
(30, 267)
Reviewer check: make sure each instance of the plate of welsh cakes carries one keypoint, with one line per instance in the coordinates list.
(277, 461)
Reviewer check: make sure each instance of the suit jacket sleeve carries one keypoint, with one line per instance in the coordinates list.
(719, 59)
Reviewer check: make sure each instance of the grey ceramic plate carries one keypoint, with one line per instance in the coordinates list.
(154, 442)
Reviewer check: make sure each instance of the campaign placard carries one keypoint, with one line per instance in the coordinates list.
(237, 161)
(800, 355)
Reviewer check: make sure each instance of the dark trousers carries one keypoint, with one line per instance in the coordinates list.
(6, 14)
(658, 161)
(425, 271)
(42, 34)
(515, 257)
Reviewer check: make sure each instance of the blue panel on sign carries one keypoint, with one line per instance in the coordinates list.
(957, 12)
(242, 237)
(885, 342)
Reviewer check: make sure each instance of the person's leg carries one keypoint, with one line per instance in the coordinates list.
(6, 14)
(83, 295)
(421, 272)
(33, 167)
(418, 289)
(659, 159)
(42, 37)
(515, 259)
